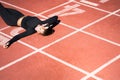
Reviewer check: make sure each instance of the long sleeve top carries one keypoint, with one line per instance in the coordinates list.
(28, 23)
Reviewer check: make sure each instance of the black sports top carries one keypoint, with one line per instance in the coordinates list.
(28, 23)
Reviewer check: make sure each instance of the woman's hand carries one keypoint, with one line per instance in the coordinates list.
(6, 45)
(41, 28)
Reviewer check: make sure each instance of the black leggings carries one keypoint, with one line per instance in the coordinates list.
(10, 16)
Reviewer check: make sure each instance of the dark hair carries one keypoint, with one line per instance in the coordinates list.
(48, 32)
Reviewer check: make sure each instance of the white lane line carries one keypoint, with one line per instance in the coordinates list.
(101, 38)
(18, 7)
(102, 67)
(4, 28)
(100, 19)
(20, 41)
(102, 10)
(18, 60)
(69, 65)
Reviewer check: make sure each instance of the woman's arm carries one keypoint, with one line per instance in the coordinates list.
(19, 36)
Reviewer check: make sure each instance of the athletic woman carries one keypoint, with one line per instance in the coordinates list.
(31, 24)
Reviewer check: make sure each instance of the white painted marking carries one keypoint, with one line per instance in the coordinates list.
(16, 31)
(66, 8)
(73, 12)
(54, 8)
(102, 10)
(20, 41)
(100, 19)
(68, 64)
(47, 53)
(4, 28)
(89, 2)
(101, 38)
(18, 60)
(3, 40)
(103, 1)
(102, 67)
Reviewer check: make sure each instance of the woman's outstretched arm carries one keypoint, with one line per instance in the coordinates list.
(19, 36)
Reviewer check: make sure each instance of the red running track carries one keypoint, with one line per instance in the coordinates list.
(85, 45)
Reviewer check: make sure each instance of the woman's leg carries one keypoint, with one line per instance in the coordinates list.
(10, 16)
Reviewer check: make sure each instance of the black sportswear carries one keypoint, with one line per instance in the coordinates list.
(11, 16)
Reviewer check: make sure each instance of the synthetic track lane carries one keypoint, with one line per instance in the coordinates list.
(107, 52)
